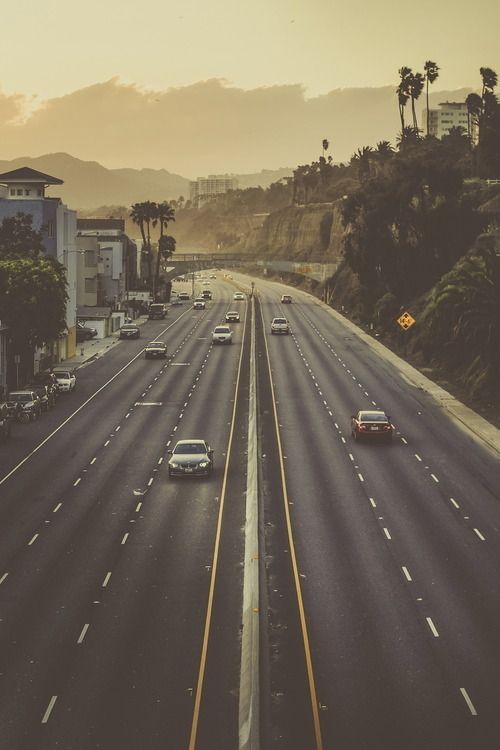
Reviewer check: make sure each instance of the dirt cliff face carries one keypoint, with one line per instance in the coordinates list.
(304, 232)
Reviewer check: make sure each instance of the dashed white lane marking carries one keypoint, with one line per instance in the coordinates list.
(106, 580)
(373, 503)
(33, 539)
(476, 531)
(117, 428)
(77, 481)
(2, 579)
(47, 713)
(418, 457)
(374, 403)
(360, 477)
(435, 478)
(106, 443)
(432, 627)
(387, 533)
(160, 460)
(83, 633)
(150, 481)
(454, 502)
(93, 460)
(175, 428)
(125, 537)
(407, 573)
(470, 704)
(343, 439)
(127, 415)
(59, 505)
(404, 441)
(351, 456)
(138, 507)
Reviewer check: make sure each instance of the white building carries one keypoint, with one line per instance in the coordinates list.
(450, 115)
(204, 189)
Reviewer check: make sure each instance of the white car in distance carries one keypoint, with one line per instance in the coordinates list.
(66, 380)
(222, 335)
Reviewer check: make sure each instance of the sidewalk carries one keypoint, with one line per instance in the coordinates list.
(87, 350)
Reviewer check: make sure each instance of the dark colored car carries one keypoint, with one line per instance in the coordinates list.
(190, 458)
(130, 332)
(5, 421)
(24, 405)
(84, 332)
(48, 379)
(371, 425)
(286, 299)
(155, 349)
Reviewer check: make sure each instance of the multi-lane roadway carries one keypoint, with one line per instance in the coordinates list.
(311, 593)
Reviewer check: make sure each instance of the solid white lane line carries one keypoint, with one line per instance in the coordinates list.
(479, 535)
(84, 632)
(387, 533)
(59, 505)
(33, 538)
(432, 627)
(47, 713)
(407, 573)
(2, 579)
(77, 481)
(106, 580)
(435, 478)
(454, 502)
(125, 537)
(468, 701)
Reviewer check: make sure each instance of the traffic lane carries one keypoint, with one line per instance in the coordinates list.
(354, 593)
(416, 503)
(90, 377)
(457, 458)
(181, 546)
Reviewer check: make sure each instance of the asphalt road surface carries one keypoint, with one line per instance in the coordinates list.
(124, 616)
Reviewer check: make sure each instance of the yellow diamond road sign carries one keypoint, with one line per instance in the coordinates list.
(406, 321)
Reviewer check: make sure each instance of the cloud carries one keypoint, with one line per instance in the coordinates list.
(204, 128)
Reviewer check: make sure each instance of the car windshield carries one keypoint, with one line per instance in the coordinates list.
(62, 375)
(280, 320)
(372, 416)
(190, 448)
(129, 328)
(222, 329)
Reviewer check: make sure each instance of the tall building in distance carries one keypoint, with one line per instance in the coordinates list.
(204, 189)
(449, 115)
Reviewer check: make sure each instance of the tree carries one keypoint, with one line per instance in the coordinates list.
(403, 92)
(431, 75)
(17, 237)
(144, 215)
(415, 88)
(325, 145)
(32, 303)
(164, 215)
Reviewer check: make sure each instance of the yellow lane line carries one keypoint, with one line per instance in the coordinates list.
(215, 561)
(300, 602)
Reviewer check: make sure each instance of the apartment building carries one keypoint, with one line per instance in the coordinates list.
(203, 189)
(449, 115)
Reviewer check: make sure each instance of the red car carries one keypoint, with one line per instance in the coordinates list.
(374, 425)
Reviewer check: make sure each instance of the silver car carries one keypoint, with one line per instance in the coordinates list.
(192, 457)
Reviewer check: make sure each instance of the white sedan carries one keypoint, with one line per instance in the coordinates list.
(66, 380)
(222, 335)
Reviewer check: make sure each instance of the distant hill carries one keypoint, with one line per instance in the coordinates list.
(88, 185)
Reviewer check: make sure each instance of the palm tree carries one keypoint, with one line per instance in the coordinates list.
(431, 75)
(409, 137)
(415, 87)
(474, 109)
(325, 144)
(144, 215)
(490, 80)
(164, 215)
(403, 92)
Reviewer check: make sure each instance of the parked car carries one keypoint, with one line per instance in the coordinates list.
(46, 396)
(286, 299)
(238, 295)
(190, 458)
(232, 316)
(5, 421)
(199, 304)
(24, 405)
(66, 380)
(155, 349)
(130, 331)
(84, 332)
(280, 325)
(371, 425)
(222, 335)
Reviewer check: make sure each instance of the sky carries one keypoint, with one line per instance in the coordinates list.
(57, 50)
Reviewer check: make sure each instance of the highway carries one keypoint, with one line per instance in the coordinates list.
(122, 622)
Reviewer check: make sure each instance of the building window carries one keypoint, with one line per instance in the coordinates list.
(27, 192)
(12, 191)
(40, 193)
(19, 191)
(50, 228)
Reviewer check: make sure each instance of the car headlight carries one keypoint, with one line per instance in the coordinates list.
(203, 464)
(173, 464)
